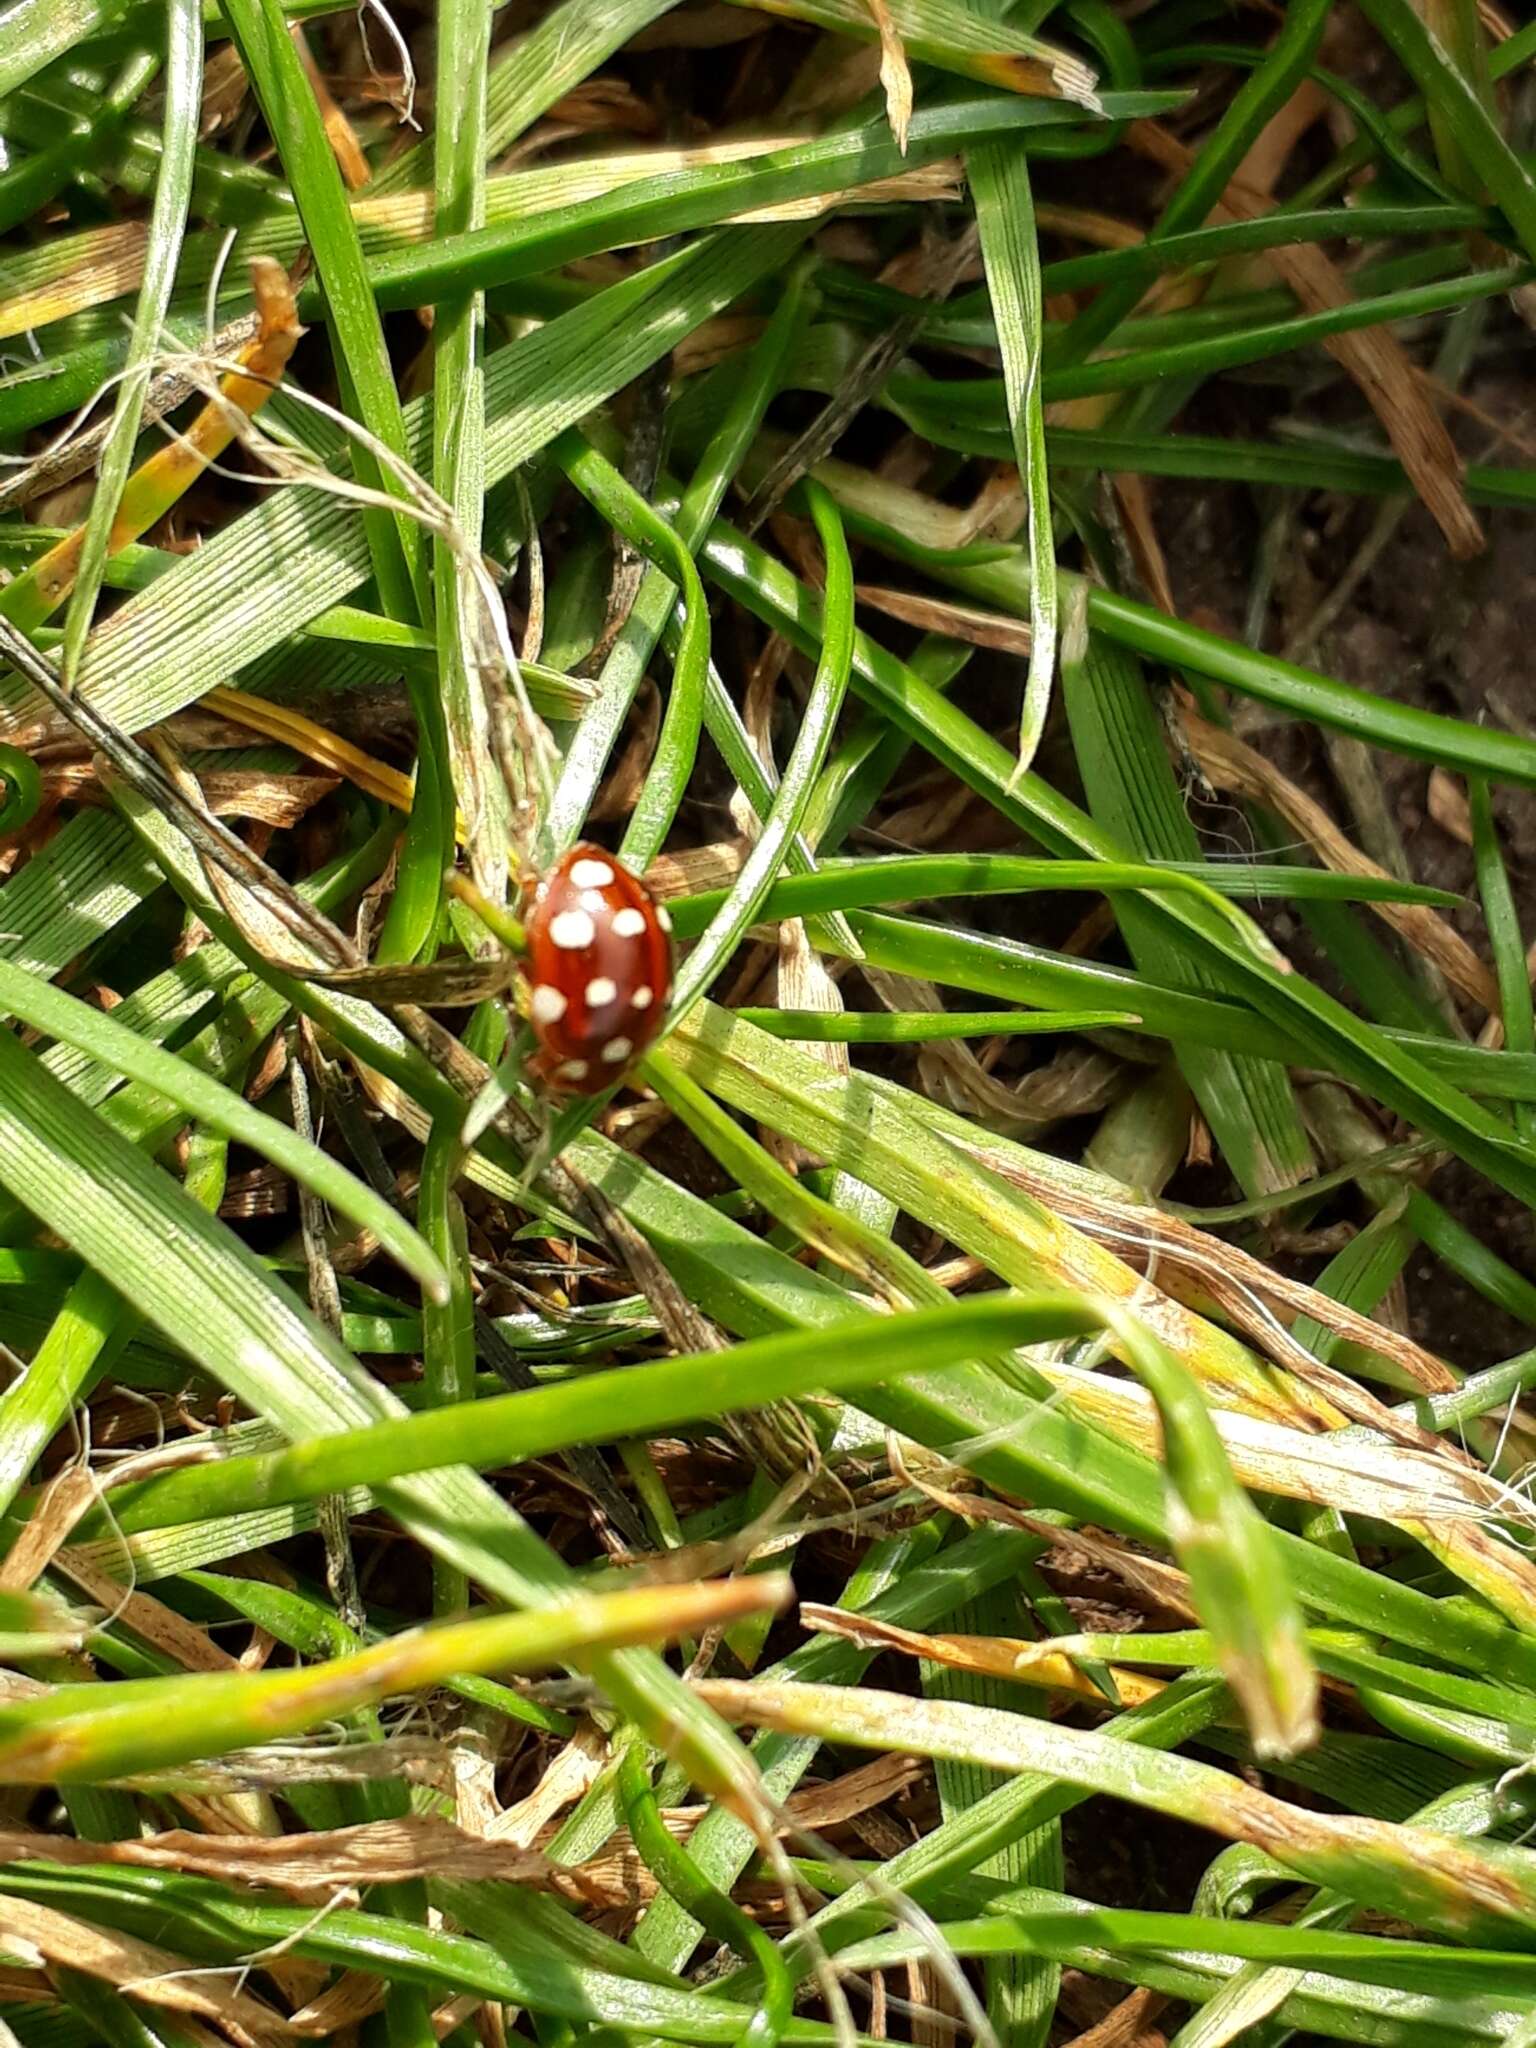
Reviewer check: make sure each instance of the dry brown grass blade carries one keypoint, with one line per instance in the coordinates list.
(818, 1807)
(1232, 765)
(57, 465)
(620, 788)
(25, 1987)
(1133, 502)
(160, 1626)
(316, 742)
(1448, 805)
(988, 1656)
(929, 184)
(154, 1976)
(1164, 1586)
(375, 1852)
(693, 868)
(941, 615)
(104, 264)
(55, 1511)
(346, 2003)
(571, 1773)
(895, 73)
(1126, 2025)
(616, 1877)
(267, 799)
(99, 265)
(1073, 1082)
(277, 800)
(339, 131)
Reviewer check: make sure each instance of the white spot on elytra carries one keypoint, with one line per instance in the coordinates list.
(662, 918)
(616, 1051)
(628, 923)
(546, 1005)
(571, 930)
(642, 998)
(591, 874)
(572, 1070)
(601, 990)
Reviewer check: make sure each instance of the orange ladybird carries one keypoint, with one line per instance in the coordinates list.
(597, 973)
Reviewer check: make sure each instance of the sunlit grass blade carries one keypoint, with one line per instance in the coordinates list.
(184, 50)
(845, 883)
(742, 903)
(594, 739)
(155, 487)
(677, 744)
(1000, 188)
(918, 1027)
(100, 1036)
(290, 111)
(1237, 1578)
(534, 1975)
(298, 552)
(458, 431)
(769, 590)
(1484, 1892)
(187, 1274)
(88, 1732)
(509, 1428)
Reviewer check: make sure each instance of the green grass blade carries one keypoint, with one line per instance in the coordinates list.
(1454, 99)
(1483, 1892)
(293, 119)
(743, 902)
(83, 1733)
(458, 440)
(173, 187)
(1260, 96)
(1131, 791)
(509, 1428)
(36, 31)
(396, 544)
(102, 1037)
(678, 742)
(1334, 1038)
(1005, 217)
(598, 733)
(297, 553)
(1504, 938)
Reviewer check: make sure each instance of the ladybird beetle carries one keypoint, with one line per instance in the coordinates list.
(597, 972)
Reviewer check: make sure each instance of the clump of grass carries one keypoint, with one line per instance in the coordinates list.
(744, 439)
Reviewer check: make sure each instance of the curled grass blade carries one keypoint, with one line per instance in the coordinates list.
(677, 745)
(743, 902)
